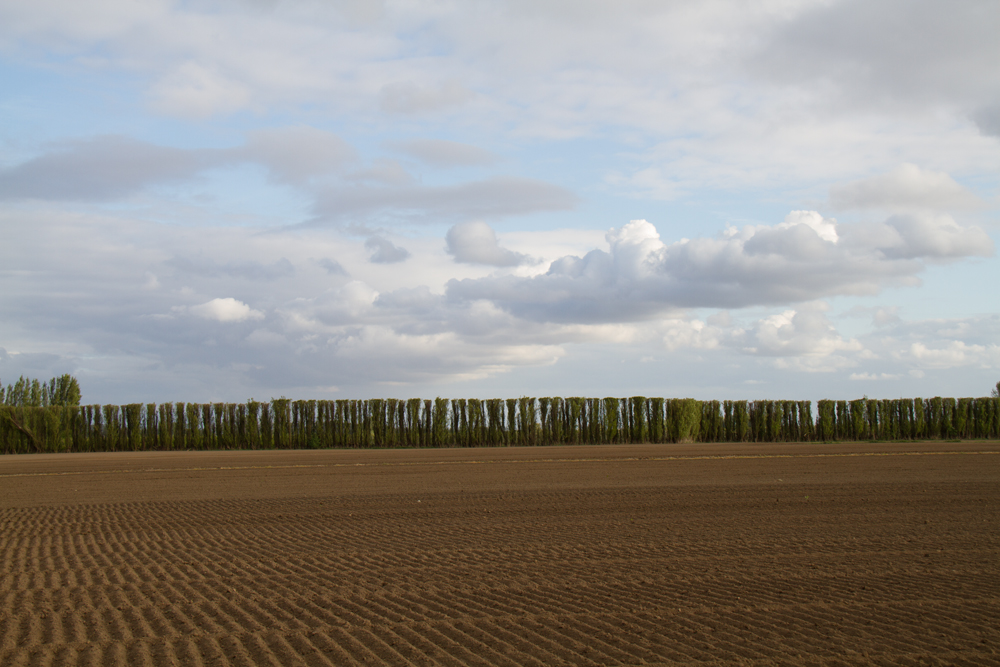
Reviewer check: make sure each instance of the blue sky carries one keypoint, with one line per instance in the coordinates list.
(208, 201)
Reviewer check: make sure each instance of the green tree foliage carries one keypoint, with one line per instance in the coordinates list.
(36, 422)
(63, 391)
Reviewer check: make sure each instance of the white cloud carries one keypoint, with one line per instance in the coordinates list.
(388, 354)
(309, 325)
(932, 349)
(825, 228)
(194, 91)
(955, 353)
(226, 309)
(730, 94)
(723, 319)
(690, 334)
(406, 97)
(801, 339)
(802, 259)
(874, 376)
(906, 187)
(936, 237)
(802, 332)
(54, 21)
(476, 243)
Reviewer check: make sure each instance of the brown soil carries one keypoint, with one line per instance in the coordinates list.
(658, 554)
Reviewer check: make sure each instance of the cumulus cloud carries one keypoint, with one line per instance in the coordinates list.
(906, 187)
(384, 251)
(951, 354)
(825, 228)
(476, 243)
(226, 309)
(682, 334)
(802, 338)
(802, 332)
(804, 258)
(443, 153)
(88, 300)
(932, 348)
(348, 305)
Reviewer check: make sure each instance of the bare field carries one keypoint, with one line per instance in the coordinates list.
(818, 554)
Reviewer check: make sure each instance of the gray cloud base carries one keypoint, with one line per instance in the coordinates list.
(892, 52)
(443, 153)
(109, 168)
(385, 251)
(100, 169)
(906, 187)
(487, 199)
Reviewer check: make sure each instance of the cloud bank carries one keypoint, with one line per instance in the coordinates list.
(121, 310)
(315, 162)
(804, 258)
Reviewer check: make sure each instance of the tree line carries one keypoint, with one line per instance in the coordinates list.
(30, 393)
(29, 426)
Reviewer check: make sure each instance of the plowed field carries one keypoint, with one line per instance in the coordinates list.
(660, 554)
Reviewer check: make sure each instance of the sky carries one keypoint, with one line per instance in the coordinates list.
(218, 200)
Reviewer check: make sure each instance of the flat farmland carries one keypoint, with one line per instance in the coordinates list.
(799, 554)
